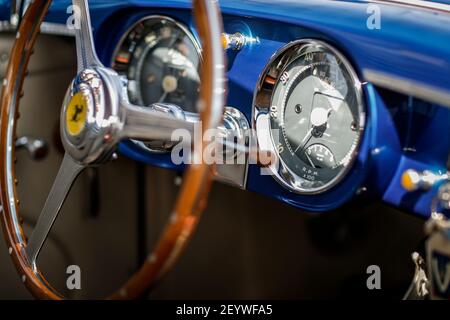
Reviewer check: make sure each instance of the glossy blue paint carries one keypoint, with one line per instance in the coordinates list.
(412, 43)
(401, 132)
(428, 148)
(5, 10)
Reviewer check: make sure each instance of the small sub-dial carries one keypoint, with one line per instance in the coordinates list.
(319, 157)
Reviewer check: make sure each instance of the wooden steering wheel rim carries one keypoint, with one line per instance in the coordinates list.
(197, 179)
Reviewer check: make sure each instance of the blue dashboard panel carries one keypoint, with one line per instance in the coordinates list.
(411, 43)
(402, 132)
(5, 10)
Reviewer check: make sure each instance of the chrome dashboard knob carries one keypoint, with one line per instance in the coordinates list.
(236, 41)
(233, 41)
(413, 180)
(37, 148)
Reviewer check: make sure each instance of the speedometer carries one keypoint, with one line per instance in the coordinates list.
(309, 111)
(161, 59)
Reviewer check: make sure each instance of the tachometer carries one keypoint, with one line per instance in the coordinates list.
(309, 111)
(161, 60)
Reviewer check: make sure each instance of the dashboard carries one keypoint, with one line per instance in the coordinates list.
(346, 109)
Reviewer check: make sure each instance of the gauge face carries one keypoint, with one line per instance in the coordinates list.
(161, 60)
(310, 100)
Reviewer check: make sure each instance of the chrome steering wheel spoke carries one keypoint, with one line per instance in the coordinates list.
(156, 122)
(68, 172)
(86, 54)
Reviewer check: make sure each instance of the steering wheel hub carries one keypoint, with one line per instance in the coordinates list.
(76, 114)
(90, 117)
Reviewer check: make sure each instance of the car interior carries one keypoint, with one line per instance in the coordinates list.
(341, 125)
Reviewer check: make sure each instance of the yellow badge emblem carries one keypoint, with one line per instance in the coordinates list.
(76, 114)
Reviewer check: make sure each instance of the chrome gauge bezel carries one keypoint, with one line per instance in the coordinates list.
(262, 123)
(155, 19)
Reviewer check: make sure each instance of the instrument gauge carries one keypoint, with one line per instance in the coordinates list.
(161, 59)
(309, 111)
(319, 157)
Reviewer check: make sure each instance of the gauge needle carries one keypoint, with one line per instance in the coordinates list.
(319, 117)
(169, 85)
(163, 97)
(305, 140)
(310, 161)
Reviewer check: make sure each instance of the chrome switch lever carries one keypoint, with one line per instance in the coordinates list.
(37, 148)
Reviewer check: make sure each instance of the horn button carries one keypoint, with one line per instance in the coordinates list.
(90, 116)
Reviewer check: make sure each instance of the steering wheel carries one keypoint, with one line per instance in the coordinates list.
(96, 115)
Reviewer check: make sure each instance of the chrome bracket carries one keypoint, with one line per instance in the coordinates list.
(236, 142)
(438, 245)
(419, 288)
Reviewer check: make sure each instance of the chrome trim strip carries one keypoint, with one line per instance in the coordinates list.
(408, 87)
(419, 4)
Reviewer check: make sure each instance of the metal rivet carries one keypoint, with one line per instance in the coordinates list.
(152, 258)
(5, 82)
(200, 105)
(10, 250)
(4, 57)
(18, 35)
(24, 278)
(107, 137)
(178, 181)
(173, 218)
